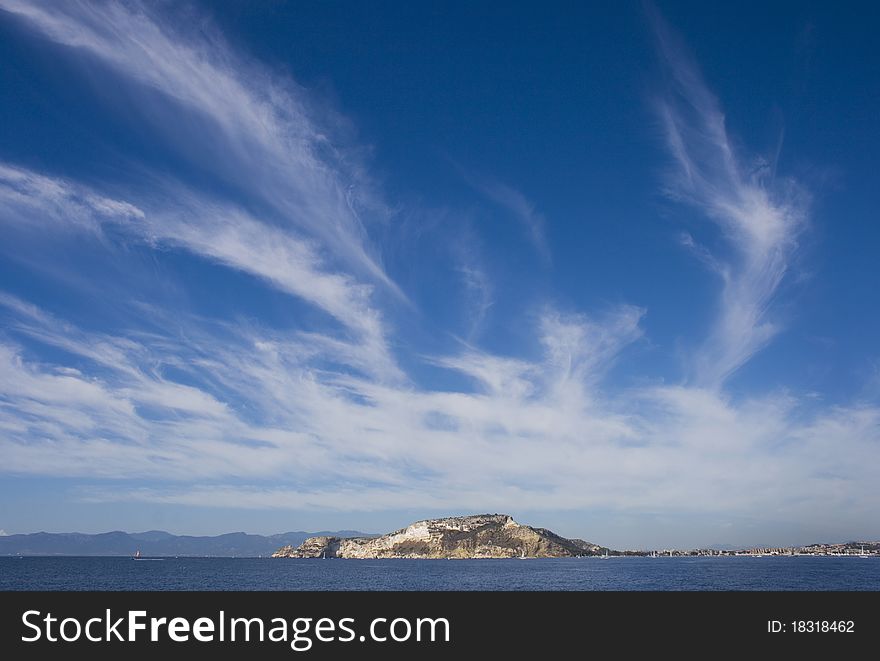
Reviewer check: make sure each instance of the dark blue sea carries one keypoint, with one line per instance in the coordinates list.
(691, 573)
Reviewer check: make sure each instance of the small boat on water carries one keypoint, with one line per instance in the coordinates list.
(137, 556)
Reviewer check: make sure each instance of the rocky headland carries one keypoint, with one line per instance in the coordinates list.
(478, 536)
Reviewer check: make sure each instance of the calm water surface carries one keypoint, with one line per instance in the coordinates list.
(728, 573)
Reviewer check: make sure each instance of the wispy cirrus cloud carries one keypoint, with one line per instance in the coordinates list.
(255, 405)
(760, 217)
(26, 195)
(211, 229)
(478, 287)
(230, 418)
(519, 206)
(256, 131)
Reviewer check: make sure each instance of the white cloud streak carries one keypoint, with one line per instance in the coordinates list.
(254, 129)
(518, 205)
(25, 194)
(480, 289)
(759, 217)
(213, 230)
(542, 434)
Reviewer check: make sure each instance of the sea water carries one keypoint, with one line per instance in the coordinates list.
(616, 573)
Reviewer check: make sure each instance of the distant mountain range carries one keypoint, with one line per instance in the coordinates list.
(156, 543)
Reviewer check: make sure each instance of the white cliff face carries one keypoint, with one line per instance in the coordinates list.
(478, 536)
(416, 532)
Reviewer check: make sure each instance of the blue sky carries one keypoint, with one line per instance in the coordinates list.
(330, 265)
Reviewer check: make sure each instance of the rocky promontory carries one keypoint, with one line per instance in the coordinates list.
(478, 536)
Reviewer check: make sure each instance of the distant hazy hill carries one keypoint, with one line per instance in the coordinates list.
(155, 542)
